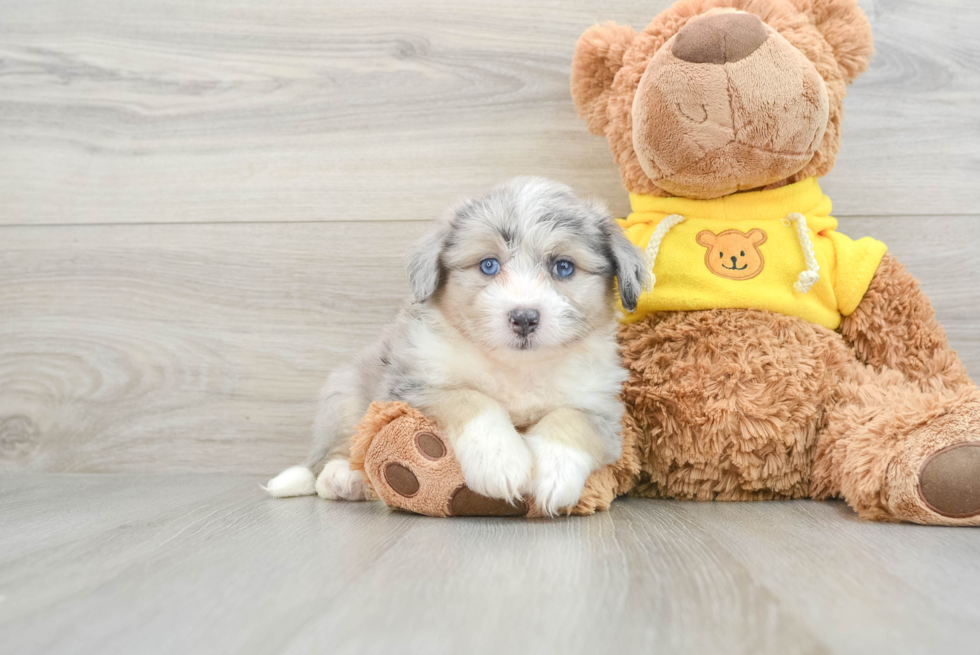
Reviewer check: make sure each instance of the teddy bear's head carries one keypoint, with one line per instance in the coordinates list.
(720, 96)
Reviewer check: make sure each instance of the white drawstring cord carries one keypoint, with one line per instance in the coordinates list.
(811, 275)
(654, 246)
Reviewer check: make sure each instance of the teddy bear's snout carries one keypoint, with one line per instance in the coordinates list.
(720, 39)
(728, 104)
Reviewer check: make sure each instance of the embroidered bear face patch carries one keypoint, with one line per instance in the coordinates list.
(732, 254)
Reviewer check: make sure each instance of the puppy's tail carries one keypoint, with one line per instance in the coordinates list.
(294, 481)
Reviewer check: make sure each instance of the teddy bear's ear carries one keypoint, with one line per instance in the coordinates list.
(846, 28)
(706, 238)
(598, 57)
(758, 237)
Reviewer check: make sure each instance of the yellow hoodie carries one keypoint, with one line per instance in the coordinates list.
(750, 250)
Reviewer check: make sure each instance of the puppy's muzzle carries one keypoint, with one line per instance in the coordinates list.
(524, 321)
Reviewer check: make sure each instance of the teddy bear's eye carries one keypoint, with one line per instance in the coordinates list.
(720, 254)
(743, 253)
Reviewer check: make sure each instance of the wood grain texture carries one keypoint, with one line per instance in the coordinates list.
(152, 348)
(202, 564)
(311, 110)
(195, 347)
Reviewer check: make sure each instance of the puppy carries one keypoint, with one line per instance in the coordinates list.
(510, 346)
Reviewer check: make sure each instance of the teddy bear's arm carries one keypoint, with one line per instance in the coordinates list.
(895, 326)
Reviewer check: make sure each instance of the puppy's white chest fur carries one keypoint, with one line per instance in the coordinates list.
(527, 385)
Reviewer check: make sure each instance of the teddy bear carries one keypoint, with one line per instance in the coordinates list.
(771, 356)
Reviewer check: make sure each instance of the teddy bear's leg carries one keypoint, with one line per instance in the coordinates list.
(895, 326)
(896, 452)
(411, 466)
(905, 437)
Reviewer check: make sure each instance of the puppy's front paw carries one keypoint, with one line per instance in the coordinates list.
(559, 474)
(494, 459)
(337, 482)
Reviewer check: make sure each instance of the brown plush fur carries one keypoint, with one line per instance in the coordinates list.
(728, 402)
(708, 129)
(834, 35)
(895, 327)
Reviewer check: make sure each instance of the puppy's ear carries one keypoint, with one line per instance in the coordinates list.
(627, 260)
(422, 261)
(631, 269)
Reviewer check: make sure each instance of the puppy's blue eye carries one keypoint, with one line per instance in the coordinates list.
(490, 266)
(564, 268)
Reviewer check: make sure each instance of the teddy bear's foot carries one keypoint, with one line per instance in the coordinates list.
(949, 482)
(936, 478)
(412, 467)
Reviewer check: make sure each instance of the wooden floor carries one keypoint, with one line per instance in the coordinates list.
(206, 564)
(203, 208)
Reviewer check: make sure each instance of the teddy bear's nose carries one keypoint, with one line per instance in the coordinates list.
(720, 39)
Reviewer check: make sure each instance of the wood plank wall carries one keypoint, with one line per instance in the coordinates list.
(203, 205)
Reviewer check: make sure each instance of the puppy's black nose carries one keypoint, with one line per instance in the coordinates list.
(524, 321)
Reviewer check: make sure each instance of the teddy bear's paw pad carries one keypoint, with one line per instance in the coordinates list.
(401, 480)
(466, 502)
(412, 468)
(949, 481)
(430, 446)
